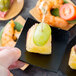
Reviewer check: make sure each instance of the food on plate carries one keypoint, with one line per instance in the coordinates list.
(11, 32)
(72, 59)
(5, 5)
(12, 28)
(39, 39)
(56, 13)
(10, 8)
(7, 36)
(68, 12)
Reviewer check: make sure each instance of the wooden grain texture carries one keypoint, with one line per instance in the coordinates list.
(21, 20)
(14, 10)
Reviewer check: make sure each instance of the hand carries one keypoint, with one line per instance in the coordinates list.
(8, 60)
(75, 47)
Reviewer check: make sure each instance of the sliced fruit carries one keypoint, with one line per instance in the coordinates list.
(41, 34)
(45, 49)
(68, 11)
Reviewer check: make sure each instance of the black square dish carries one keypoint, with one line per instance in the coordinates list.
(49, 62)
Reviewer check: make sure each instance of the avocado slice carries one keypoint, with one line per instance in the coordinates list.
(65, 1)
(55, 12)
(18, 26)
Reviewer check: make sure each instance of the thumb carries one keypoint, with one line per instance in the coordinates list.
(9, 56)
(4, 71)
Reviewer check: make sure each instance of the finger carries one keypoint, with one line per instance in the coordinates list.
(17, 64)
(4, 71)
(2, 48)
(75, 47)
(9, 56)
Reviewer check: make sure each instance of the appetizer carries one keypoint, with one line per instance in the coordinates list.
(10, 8)
(4, 7)
(11, 32)
(72, 59)
(12, 28)
(60, 13)
(39, 39)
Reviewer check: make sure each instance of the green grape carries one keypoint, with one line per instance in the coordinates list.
(4, 5)
(42, 34)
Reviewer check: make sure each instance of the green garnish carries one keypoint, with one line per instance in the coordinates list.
(55, 12)
(18, 26)
(72, 21)
(1, 33)
(65, 1)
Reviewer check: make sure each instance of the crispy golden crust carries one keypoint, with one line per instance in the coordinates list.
(36, 13)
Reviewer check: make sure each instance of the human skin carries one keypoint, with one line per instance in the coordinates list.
(9, 60)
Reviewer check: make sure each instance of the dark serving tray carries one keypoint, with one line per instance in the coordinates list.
(49, 62)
